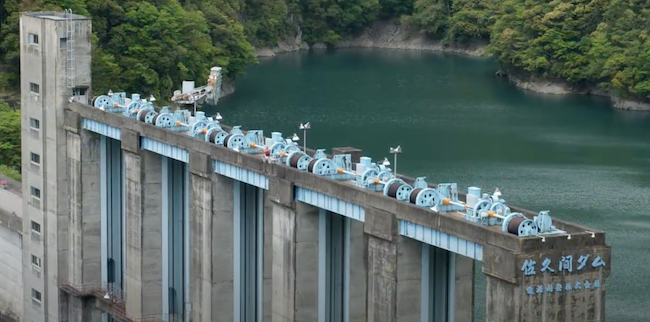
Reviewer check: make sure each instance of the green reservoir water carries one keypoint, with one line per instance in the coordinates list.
(456, 122)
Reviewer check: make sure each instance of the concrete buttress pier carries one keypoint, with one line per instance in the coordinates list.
(153, 224)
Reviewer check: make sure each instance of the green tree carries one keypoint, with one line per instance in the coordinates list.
(470, 20)
(430, 16)
(234, 53)
(144, 46)
(156, 48)
(151, 46)
(327, 20)
(620, 49)
(395, 8)
(9, 41)
(267, 21)
(10, 154)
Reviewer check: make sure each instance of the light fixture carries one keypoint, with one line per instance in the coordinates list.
(106, 296)
(568, 237)
(385, 163)
(295, 137)
(110, 93)
(71, 99)
(395, 151)
(304, 128)
(218, 117)
(543, 239)
(593, 235)
(151, 98)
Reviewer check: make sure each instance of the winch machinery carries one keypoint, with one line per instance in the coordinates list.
(177, 121)
(279, 148)
(337, 168)
(484, 209)
(112, 102)
(135, 105)
(492, 210)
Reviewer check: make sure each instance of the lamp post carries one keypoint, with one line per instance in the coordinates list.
(304, 128)
(395, 151)
(218, 116)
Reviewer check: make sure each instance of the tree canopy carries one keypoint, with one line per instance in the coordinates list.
(9, 136)
(144, 46)
(598, 42)
(152, 46)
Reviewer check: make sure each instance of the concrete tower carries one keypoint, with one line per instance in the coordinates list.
(55, 51)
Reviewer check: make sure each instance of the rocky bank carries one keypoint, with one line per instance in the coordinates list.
(559, 87)
(381, 34)
(386, 34)
(287, 45)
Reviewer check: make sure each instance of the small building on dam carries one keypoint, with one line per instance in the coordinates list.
(154, 214)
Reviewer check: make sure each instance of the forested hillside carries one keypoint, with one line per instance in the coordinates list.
(9, 141)
(151, 46)
(144, 46)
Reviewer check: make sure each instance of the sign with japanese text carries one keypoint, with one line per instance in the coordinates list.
(566, 265)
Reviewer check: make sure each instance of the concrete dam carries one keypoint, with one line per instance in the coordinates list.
(154, 214)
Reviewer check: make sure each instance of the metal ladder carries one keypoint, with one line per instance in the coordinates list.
(70, 59)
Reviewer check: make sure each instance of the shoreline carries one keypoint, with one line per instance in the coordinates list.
(559, 87)
(389, 35)
(381, 34)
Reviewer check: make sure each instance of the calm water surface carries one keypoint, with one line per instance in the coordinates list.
(456, 122)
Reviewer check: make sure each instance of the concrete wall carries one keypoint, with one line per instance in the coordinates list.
(11, 286)
(11, 258)
(44, 64)
(306, 239)
(390, 262)
(90, 210)
(409, 279)
(507, 290)
(222, 244)
(446, 223)
(151, 167)
(268, 257)
(80, 229)
(11, 203)
(284, 264)
(143, 275)
(465, 286)
(385, 266)
(33, 71)
(358, 271)
(201, 238)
